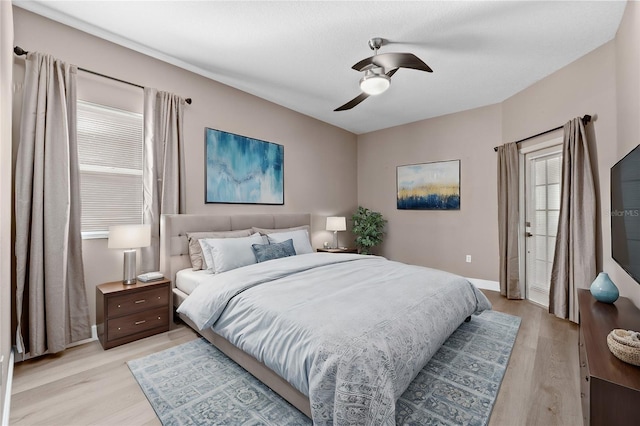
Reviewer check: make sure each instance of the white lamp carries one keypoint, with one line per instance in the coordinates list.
(375, 81)
(335, 224)
(129, 237)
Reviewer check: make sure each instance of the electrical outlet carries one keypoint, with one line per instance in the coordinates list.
(468, 258)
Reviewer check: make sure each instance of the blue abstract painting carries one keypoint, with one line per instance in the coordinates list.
(242, 170)
(429, 186)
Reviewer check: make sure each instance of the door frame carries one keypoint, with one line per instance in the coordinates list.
(522, 249)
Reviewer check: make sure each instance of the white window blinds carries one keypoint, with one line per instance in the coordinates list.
(110, 158)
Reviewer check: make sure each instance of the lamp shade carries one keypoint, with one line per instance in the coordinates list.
(336, 223)
(129, 236)
(374, 82)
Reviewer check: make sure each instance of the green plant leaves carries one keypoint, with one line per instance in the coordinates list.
(368, 227)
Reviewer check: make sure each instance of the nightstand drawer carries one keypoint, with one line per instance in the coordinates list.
(129, 303)
(137, 323)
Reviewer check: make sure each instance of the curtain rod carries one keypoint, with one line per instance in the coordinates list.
(19, 51)
(585, 120)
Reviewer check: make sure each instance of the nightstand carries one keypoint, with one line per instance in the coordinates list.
(337, 250)
(125, 313)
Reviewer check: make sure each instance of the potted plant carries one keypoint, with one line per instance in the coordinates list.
(368, 228)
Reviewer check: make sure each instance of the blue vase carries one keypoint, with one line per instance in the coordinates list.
(603, 289)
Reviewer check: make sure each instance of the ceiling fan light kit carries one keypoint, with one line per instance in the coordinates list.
(375, 81)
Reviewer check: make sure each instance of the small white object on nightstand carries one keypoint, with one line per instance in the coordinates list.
(150, 276)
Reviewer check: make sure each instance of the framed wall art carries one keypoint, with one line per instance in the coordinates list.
(242, 170)
(429, 186)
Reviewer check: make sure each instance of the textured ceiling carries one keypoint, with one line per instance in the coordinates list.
(299, 54)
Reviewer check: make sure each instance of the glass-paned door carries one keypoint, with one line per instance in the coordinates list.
(543, 182)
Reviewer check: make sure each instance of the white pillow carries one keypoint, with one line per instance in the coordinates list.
(300, 240)
(225, 254)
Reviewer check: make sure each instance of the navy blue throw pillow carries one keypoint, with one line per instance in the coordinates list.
(264, 252)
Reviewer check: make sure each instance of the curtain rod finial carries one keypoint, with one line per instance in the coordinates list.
(188, 100)
(19, 51)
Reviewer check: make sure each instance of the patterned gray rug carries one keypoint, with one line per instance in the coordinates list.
(195, 384)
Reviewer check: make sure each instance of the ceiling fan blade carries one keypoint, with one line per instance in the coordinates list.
(361, 97)
(353, 102)
(393, 60)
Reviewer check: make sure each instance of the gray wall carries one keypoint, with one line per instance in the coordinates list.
(439, 239)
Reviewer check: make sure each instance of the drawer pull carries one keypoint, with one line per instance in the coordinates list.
(140, 301)
(140, 322)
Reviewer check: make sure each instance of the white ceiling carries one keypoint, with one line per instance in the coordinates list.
(299, 54)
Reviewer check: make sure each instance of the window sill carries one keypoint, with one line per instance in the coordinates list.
(95, 235)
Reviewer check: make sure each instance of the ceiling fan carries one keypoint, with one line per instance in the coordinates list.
(378, 70)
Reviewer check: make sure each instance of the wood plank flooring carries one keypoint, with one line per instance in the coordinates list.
(89, 386)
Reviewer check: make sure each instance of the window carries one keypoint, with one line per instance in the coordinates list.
(110, 159)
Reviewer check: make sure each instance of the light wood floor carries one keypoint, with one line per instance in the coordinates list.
(89, 386)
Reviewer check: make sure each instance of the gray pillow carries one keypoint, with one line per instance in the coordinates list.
(195, 251)
(266, 231)
(264, 252)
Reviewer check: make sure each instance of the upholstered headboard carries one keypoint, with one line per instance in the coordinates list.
(174, 247)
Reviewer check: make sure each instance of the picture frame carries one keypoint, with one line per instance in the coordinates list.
(242, 170)
(429, 186)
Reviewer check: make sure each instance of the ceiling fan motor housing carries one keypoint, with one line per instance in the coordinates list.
(375, 43)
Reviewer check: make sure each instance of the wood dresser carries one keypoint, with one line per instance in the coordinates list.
(610, 388)
(125, 313)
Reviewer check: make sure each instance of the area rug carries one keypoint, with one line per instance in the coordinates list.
(195, 384)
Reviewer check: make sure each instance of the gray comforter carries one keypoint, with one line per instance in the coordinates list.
(349, 331)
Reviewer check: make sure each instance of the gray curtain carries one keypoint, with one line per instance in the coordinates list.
(163, 167)
(574, 263)
(51, 302)
(508, 221)
(6, 258)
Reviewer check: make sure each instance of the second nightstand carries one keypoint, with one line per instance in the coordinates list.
(337, 250)
(125, 313)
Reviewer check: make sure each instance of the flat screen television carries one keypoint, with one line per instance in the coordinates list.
(625, 213)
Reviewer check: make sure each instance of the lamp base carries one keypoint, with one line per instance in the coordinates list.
(129, 270)
(335, 239)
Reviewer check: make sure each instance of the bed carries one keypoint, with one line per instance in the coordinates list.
(340, 336)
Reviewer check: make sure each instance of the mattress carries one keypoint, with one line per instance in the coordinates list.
(188, 279)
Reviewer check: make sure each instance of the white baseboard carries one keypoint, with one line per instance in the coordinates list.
(485, 284)
(94, 336)
(7, 396)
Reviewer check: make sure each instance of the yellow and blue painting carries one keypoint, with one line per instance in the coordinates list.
(429, 186)
(242, 170)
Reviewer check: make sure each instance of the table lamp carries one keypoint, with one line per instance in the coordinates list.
(335, 224)
(130, 238)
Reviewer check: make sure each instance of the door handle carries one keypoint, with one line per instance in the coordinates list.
(528, 234)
